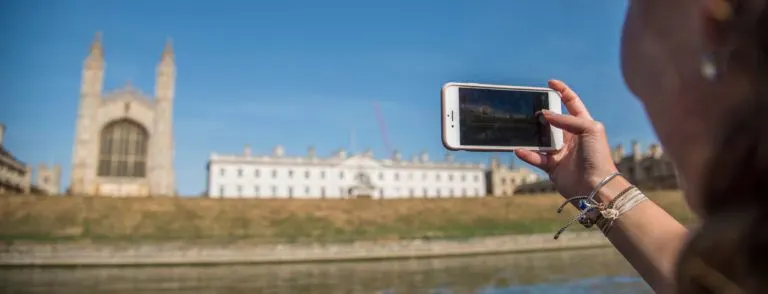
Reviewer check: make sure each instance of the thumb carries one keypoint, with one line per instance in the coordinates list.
(536, 159)
(570, 123)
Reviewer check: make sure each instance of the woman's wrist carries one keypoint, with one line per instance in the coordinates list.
(609, 191)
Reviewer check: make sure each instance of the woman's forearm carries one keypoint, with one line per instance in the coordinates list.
(648, 237)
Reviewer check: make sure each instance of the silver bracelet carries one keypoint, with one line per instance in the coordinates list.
(587, 204)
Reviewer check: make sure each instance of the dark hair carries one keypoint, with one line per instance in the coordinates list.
(730, 249)
(729, 252)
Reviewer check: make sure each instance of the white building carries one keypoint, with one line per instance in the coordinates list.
(339, 176)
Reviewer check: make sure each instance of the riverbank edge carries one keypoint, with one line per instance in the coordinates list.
(74, 255)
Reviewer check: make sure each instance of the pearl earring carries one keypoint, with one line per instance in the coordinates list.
(709, 68)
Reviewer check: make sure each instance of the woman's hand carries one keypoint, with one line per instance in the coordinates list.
(585, 158)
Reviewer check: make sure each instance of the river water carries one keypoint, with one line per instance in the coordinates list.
(576, 271)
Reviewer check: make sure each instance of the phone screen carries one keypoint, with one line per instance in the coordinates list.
(497, 117)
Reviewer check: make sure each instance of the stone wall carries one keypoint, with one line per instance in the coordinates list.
(169, 254)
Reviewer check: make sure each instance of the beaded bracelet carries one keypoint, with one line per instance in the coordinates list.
(587, 205)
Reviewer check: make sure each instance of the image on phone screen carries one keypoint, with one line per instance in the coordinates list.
(490, 117)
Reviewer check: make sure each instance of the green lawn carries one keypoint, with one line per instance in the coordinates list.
(195, 220)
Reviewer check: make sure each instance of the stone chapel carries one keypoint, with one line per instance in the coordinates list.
(123, 145)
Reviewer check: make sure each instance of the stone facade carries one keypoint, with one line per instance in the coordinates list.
(504, 180)
(124, 139)
(49, 179)
(16, 176)
(341, 176)
(651, 169)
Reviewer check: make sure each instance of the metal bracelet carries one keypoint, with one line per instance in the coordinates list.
(601, 184)
(586, 205)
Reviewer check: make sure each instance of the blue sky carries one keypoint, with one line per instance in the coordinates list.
(302, 73)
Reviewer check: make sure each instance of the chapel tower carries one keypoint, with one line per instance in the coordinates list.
(124, 138)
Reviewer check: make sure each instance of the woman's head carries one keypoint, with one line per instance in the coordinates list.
(668, 48)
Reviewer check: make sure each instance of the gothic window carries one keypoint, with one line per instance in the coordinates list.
(397, 176)
(322, 192)
(410, 193)
(477, 179)
(463, 178)
(274, 173)
(306, 174)
(222, 171)
(290, 192)
(123, 150)
(341, 175)
(425, 192)
(221, 190)
(274, 191)
(290, 173)
(437, 176)
(239, 172)
(381, 176)
(306, 190)
(256, 173)
(322, 174)
(239, 191)
(256, 191)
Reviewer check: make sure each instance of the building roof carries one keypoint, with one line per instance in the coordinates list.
(339, 160)
(8, 156)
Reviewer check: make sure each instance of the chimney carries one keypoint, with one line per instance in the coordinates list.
(424, 157)
(512, 165)
(655, 151)
(279, 151)
(494, 162)
(342, 153)
(368, 153)
(396, 156)
(311, 153)
(636, 150)
(2, 134)
(448, 157)
(247, 151)
(618, 153)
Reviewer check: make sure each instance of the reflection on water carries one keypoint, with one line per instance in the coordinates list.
(583, 271)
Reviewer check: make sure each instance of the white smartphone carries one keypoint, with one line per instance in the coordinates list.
(481, 117)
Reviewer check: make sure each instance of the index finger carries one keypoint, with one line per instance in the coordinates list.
(570, 99)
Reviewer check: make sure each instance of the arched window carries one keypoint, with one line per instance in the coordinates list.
(123, 151)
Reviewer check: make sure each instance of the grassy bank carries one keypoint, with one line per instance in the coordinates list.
(147, 220)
